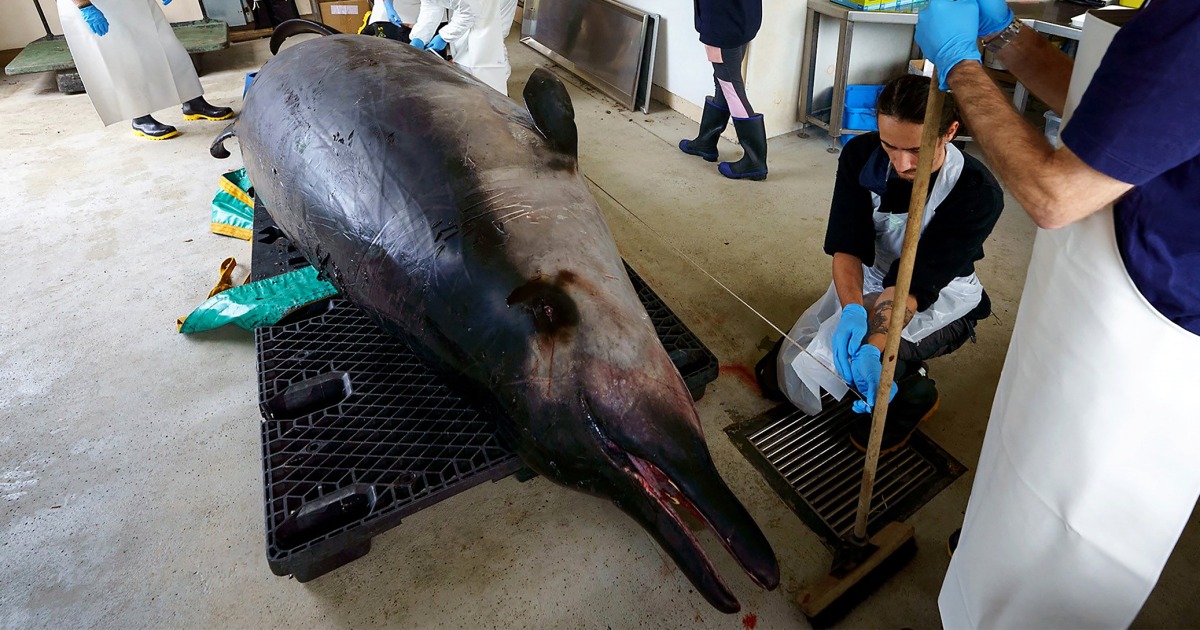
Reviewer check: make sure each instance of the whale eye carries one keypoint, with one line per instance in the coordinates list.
(552, 309)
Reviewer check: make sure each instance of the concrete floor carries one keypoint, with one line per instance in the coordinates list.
(130, 479)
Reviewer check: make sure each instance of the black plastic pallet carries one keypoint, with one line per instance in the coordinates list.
(358, 433)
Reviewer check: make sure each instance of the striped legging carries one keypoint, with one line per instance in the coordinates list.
(730, 89)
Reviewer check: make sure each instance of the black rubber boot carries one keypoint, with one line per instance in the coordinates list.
(752, 133)
(712, 123)
(916, 400)
(148, 127)
(200, 109)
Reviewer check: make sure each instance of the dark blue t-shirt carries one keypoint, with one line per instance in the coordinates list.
(1139, 122)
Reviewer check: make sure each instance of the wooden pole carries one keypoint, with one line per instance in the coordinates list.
(908, 255)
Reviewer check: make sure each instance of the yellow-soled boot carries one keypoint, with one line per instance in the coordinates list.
(200, 109)
(148, 127)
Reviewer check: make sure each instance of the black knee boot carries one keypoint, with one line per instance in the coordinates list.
(148, 127)
(752, 133)
(200, 109)
(712, 123)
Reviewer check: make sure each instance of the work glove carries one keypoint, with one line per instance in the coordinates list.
(417, 43)
(394, 17)
(867, 366)
(847, 337)
(994, 16)
(95, 20)
(437, 44)
(946, 33)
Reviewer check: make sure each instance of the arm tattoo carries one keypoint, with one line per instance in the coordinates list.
(881, 315)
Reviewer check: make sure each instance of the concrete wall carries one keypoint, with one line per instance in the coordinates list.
(773, 65)
(680, 66)
(21, 24)
(683, 76)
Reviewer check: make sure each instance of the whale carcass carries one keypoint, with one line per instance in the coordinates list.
(459, 220)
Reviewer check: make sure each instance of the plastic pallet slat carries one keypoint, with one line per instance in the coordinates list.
(400, 441)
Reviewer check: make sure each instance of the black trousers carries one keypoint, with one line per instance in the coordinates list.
(941, 342)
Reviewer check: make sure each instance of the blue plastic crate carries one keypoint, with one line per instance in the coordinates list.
(250, 77)
(859, 108)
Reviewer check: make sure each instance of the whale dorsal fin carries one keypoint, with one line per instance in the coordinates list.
(550, 107)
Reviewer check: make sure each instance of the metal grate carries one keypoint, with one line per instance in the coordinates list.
(814, 468)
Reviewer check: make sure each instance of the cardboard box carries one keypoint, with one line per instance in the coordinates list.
(345, 15)
(920, 66)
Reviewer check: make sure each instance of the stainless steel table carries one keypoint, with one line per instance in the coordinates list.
(1049, 18)
(831, 121)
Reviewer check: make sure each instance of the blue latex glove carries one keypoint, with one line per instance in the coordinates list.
(436, 44)
(946, 33)
(166, 2)
(95, 20)
(847, 338)
(394, 17)
(868, 367)
(994, 16)
(417, 43)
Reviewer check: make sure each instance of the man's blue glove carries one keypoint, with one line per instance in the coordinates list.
(946, 33)
(847, 337)
(994, 16)
(436, 44)
(166, 2)
(393, 17)
(417, 43)
(95, 20)
(868, 367)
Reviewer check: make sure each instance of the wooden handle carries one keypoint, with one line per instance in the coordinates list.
(908, 256)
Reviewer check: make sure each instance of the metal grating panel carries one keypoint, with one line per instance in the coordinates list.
(814, 468)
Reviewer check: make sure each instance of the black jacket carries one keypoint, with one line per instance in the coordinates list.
(951, 243)
(728, 23)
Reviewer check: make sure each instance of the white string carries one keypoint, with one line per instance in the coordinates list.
(737, 297)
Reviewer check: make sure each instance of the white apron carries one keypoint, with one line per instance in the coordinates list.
(138, 67)
(1089, 469)
(802, 375)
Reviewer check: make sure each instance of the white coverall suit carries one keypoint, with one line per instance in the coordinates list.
(475, 35)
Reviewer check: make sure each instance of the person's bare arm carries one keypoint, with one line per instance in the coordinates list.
(848, 278)
(1041, 67)
(879, 315)
(83, 3)
(1055, 187)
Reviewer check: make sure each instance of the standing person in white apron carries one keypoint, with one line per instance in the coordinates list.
(1089, 470)
(132, 65)
(844, 332)
(475, 35)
